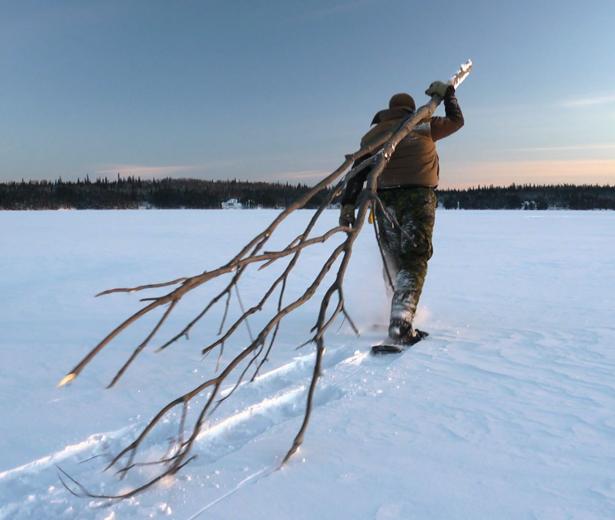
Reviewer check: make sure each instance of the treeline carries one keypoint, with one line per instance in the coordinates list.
(530, 196)
(133, 193)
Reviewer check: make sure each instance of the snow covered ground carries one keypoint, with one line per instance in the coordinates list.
(506, 411)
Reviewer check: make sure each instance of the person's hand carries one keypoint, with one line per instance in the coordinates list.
(439, 88)
(347, 215)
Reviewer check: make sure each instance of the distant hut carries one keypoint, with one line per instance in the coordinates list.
(232, 204)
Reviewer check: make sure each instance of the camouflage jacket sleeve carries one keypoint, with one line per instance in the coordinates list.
(442, 127)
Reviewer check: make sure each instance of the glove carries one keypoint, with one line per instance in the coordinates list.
(440, 88)
(347, 215)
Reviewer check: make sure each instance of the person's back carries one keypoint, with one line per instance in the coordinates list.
(406, 189)
(415, 161)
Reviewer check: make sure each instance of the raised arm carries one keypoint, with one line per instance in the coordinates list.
(442, 127)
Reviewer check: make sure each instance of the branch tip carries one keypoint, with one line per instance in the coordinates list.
(67, 379)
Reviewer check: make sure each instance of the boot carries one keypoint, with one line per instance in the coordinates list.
(403, 333)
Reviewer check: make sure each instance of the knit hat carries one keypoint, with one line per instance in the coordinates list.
(399, 106)
(402, 100)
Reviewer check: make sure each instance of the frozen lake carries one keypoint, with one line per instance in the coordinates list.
(506, 411)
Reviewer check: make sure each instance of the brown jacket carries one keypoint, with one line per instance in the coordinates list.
(415, 161)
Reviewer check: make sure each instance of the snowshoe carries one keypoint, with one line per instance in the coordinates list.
(397, 347)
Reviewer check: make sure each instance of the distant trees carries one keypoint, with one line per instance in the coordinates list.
(133, 192)
(530, 196)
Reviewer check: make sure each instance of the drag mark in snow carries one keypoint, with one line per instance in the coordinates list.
(69, 451)
(263, 407)
(254, 477)
(279, 399)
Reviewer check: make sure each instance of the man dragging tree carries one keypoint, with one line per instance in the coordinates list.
(406, 188)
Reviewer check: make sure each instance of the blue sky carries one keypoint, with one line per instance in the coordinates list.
(281, 90)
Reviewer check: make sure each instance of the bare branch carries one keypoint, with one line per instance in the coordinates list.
(256, 352)
(138, 350)
(142, 287)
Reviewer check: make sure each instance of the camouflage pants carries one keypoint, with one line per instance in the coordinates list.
(408, 249)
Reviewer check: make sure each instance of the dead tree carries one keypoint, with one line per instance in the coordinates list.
(250, 359)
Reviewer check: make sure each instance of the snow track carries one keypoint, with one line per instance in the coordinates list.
(275, 397)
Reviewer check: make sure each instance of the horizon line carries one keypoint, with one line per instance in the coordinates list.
(297, 182)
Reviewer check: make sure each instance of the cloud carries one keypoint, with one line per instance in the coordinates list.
(589, 101)
(142, 170)
(566, 148)
(299, 176)
(5, 148)
(341, 7)
(523, 108)
(578, 171)
(333, 9)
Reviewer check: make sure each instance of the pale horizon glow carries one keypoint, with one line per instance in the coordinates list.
(591, 146)
(589, 101)
(141, 170)
(504, 173)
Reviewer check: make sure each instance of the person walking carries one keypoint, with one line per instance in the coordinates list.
(406, 188)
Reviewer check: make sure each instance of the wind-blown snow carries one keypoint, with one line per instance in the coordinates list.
(505, 411)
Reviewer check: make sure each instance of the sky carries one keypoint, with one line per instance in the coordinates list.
(282, 90)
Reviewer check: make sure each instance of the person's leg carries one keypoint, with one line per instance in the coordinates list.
(416, 214)
(390, 242)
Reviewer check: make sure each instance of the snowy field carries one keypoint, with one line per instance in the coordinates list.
(506, 411)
